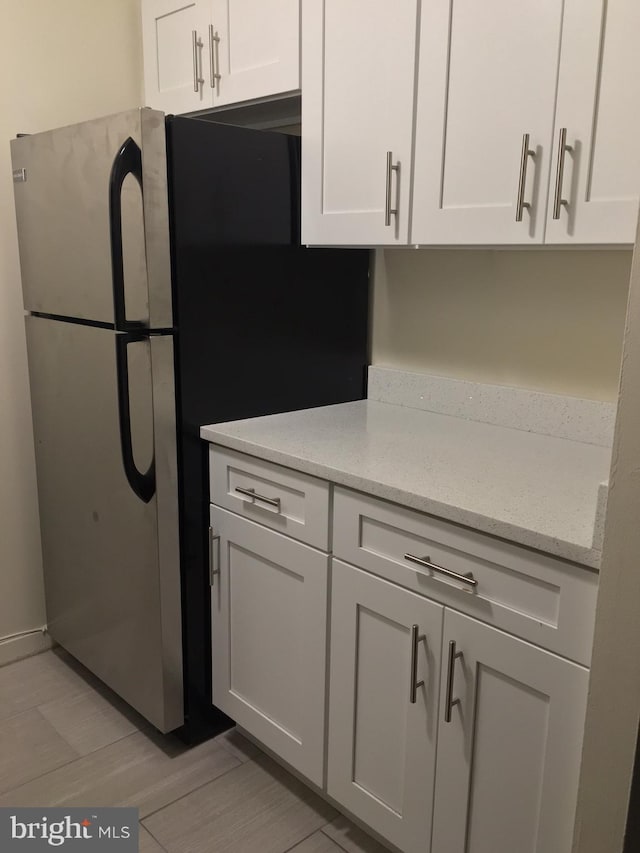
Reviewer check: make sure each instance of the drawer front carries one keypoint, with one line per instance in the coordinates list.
(539, 598)
(284, 500)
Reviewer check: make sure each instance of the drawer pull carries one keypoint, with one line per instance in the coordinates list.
(251, 493)
(424, 561)
(415, 639)
(449, 701)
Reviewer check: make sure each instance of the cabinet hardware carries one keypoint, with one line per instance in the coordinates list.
(415, 639)
(197, 78)
(214, 556)
(522, 182)
(391, 168)
(426, 562)
(214, 60)
(558, 201)
(449, 701)
(251, 493)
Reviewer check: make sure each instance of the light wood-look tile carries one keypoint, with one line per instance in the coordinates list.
(42, 678)
(147, 843)
(256, 808)
(238, 745)
(316, 843)
(29, 747)
(351, 838)
(91, 720)
(141, 770)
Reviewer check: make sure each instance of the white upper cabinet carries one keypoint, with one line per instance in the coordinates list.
(357, 120)
(596, 180)
(174, 36)
(484, 120)
(206, 53)
(256, 48)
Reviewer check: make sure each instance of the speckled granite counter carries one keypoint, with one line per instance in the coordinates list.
(537, 490)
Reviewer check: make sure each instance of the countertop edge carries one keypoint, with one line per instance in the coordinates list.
(570, 551)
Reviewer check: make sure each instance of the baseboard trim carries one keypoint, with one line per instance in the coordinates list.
(23, 646)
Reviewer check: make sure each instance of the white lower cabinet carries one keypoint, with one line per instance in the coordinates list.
(445, 734)
(509, 758)
(382, 738)
(269, 623)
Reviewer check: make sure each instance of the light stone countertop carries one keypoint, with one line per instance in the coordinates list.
(537, 490)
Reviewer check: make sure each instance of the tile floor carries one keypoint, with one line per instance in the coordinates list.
(65, 740)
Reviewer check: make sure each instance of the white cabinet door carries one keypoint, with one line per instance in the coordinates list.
(269, 624)
(176, 62)
(381, 756)
(258, 48)
(508, 760)
(358, 69)
(487, 76)
(599, 109)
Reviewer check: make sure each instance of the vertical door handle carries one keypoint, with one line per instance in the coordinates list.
(522, 181)
(449, 701)
(142, 483)
(415, 639)
(214, 556)
(214, 60)
(128, 161)
(558, 201)
(196, 44)
(391, 168)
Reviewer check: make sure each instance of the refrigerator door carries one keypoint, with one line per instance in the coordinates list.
(105, 436)
(91, 208)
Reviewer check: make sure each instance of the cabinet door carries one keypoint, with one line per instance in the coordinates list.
(508, 760)
(256, 48)
(487, 77)
(358, 68)
(598, 98)
(269, 624)
(176, 65)
(381, 756)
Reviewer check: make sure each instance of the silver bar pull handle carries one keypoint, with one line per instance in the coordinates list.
(391, 168)
(427, 564)
(558, 201)
(214, 556)
(522, 181)
(197, 77)
(415, 639)
(450, 702)
(214, 41)
(251, 493)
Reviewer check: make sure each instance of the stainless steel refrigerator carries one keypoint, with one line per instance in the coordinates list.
(165, 288)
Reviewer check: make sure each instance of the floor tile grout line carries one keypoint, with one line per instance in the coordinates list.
(302, 840)
(197, 788)
(66, 763)
(146, 829)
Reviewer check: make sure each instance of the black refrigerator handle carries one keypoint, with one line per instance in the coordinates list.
(143, 484)
(128, 161)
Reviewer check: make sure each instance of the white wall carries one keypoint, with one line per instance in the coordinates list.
(549, 320)
(61, 61)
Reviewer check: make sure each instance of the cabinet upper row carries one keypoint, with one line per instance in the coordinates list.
(200, 54)
(429, 122)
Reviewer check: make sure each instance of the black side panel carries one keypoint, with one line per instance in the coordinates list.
(264, 326)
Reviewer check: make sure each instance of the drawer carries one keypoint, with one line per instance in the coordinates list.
(547, 601)
(284, 500)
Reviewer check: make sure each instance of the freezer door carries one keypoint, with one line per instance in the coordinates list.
(92, 215)
(104, 420)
